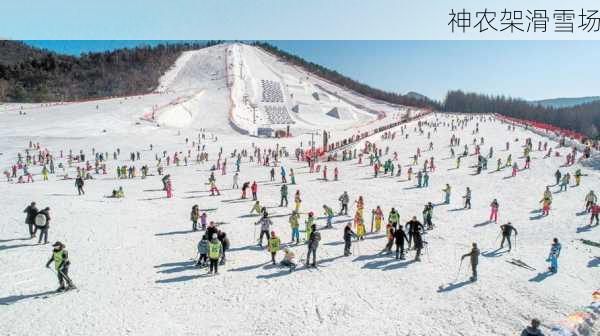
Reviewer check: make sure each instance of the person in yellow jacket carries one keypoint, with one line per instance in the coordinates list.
(309, 223)
(256, 208)
(297, 200)
(215, 250)
(295, 225)
(45, 173)
(360, 205)
(60, 257)
(274, 246)
(360, 226)
(378, 218)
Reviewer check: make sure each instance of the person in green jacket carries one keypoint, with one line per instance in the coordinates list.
(394, 218)
(274, 246)
(60, 257)
(284, 195)
(309, 224)
(215, 250)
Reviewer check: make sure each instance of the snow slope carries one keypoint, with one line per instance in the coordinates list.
(131, 258)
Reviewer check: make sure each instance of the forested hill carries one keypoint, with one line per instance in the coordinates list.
(29, 74)
(583, 118)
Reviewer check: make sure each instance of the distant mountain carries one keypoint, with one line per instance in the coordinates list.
(565, 102)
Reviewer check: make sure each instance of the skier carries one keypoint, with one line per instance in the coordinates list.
(447, 191)
(309, 223)
(313, 244)
(284, 195)
(344, 200)
(202, 252)
(474, 257)
(194, 216)
(274, 245)
(329, 213)
(394, 218)
(31, 211)
(494, 210)
(378, 219)
(590, 199)
(254, 189)
(60, 257)
(348, 234)
(256, 208)
(169, 189)
(557, 176)
(553, 256)
(399, 238)
(507, 230)
(428, 215)
(215, 250)
(79, 184)
(595, 211)
(265, 227)
(297, 201)
(467, 198)
(295, 225)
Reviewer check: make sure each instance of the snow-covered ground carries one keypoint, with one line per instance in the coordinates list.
(132, 257)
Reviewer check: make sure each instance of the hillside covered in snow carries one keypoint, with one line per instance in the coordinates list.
(133, 258)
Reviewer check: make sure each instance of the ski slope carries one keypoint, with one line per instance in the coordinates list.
(131, 258)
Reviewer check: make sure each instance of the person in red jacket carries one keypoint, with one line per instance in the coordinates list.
(254, 189)
(595, 212)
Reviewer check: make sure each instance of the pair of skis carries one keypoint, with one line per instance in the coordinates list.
(520, 263)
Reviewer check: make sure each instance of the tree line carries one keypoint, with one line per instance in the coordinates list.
(34, 75)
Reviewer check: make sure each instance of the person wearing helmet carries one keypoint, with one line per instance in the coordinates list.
(60, 257)
(274, 245)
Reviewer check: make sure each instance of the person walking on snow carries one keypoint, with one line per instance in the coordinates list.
(274, 245)
(553, 256)
(254, 189)
(60, 257)
(399, 239)
(235, 181)
(394, 218)
(169, 189)
(284, 195)
(42, 223)
(295, 226)
(31, 211)
(467, 198)
(595, 211)
(297, 201)
(215, 250)
(202, 252)
(344, 200)
(447, 190)
(494, 210)
(313, 244)
(194, 216)
(79, 184)
(474, 258)
(557, 176)
(348, 235)
(329, 213)
(378, 219)
(309, 225)
(265, 227)
(507, 230)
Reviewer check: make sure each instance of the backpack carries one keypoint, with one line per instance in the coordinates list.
(40, 220)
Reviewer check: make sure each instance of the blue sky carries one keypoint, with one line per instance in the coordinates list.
(528, 69)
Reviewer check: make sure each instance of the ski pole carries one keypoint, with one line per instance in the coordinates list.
(458, 272)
